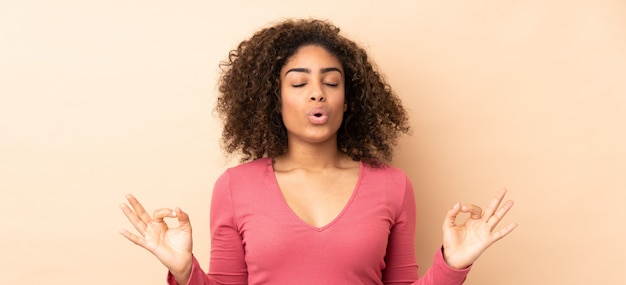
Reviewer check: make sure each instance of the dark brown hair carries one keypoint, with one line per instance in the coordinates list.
(249, 100)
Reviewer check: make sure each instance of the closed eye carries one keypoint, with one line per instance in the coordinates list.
(303, 84)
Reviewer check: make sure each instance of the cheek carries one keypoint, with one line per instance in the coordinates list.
(340, 101)
(287, 103)
(289, 110)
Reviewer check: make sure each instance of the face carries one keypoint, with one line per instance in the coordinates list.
(312, 95)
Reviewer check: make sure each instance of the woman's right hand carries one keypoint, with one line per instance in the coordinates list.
(172, 246)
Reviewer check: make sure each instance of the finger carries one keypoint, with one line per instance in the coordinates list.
(160, 214)
(138, 208)
(133, 238)
(474, 211)
(139, 225)
(183, 218)
(503, 232)
(495, 203)
(450, 220)
(497, 217)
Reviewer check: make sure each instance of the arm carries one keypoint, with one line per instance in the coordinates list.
(401, 267)
(228, 265)
(227, 255)
(173, 246)
(195, 277)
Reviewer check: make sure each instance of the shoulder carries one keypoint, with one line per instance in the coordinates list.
(256, 166)
(247, 175)
(390, 186)
(387, 174)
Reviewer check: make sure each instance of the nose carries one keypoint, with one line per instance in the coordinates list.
(316, 98)
(317, 94)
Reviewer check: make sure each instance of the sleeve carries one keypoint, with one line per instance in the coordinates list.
(227, 254)
(400, 259)
(228, 265)
(197, 276)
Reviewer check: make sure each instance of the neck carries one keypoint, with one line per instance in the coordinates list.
(312, 157)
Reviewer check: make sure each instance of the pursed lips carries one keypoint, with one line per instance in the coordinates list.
(318, 115)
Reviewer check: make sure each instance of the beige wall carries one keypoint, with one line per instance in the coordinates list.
(102, 98)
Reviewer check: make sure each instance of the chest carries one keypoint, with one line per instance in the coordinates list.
(317, 199)
(275, 239)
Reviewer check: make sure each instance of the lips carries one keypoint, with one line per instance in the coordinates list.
(317, 115)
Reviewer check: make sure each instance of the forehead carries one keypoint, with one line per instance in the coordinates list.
(312, 56)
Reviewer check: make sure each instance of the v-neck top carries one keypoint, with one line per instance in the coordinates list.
(257, 239)
(329, 224)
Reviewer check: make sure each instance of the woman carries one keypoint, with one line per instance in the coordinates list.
(313, 201)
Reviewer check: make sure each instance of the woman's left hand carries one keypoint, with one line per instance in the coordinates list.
(464, 243)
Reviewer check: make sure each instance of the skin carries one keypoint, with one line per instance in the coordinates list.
(313, 78)
(464, 243)
(315, 178)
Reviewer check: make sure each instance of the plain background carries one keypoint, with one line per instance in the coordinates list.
(103, 98)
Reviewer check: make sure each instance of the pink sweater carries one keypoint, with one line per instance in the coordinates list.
(257, 239)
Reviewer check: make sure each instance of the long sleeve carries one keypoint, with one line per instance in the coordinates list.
(227, 255)
(197, 276)
(442, 274)
(257, 239)
(400, 259)
(228, 265)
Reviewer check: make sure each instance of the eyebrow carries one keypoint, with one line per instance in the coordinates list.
(306, 70)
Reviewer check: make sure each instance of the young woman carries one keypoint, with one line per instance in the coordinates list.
(313, 201)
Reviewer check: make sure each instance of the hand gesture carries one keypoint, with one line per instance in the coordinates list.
(463, 244)
(172, 246)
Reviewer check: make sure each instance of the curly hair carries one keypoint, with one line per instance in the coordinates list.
(249, 100)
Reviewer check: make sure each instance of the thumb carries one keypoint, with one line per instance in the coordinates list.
(450, 219)
(183, 218)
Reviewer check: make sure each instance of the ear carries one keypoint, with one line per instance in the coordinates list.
(345, 107)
